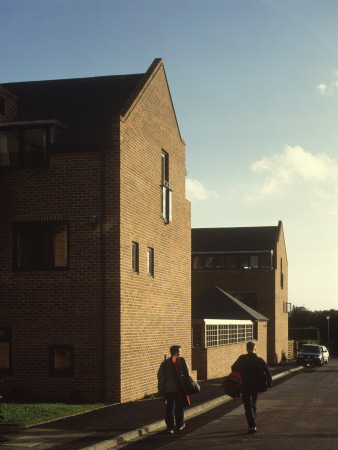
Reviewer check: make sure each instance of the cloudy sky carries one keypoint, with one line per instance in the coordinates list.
(255, 88)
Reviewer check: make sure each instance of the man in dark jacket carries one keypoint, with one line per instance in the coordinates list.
(256, 378)
(170, 385)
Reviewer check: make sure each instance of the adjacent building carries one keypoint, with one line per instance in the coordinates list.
(95, 236)
(250, 264)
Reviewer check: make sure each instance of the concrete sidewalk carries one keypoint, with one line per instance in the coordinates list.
(112, 425)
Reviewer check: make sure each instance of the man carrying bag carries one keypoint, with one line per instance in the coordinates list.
(256, 377)
(174, 383)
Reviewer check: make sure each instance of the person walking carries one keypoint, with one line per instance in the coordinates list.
(256, 377)
(170, 385)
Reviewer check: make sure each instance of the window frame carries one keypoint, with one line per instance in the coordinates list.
(61, 373)
(166, 189)
(20, 226)
(150, 261)
(135, 257)
(220, 332)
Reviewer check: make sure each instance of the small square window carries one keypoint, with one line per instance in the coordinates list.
(61, 361)
(134, 257)
(150, 261)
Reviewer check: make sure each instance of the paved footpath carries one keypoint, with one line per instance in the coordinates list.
(300, 413)
(114, 425)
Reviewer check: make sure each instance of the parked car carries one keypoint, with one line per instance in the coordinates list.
(313, 355)
(325, 354)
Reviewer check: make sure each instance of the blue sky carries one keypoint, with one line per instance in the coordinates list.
(255, 89)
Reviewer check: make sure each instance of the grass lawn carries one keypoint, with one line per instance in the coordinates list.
(33, 413)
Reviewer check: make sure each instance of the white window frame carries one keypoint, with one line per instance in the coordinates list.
(166, 189)
(224, 332)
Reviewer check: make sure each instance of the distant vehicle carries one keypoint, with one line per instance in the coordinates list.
(313, 355)
(325, 354)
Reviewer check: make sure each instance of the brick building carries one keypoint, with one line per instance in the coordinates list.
(249, 263)
(95, 236)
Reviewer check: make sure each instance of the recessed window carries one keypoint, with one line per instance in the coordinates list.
(134, 257)
(61, 361)
(166, 190)
(5, 352)
(150, 261)
(40, 245)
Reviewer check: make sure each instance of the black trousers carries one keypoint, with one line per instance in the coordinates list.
(174, 411)
(250, 401)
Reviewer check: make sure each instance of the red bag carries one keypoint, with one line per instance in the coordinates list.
(232, 385)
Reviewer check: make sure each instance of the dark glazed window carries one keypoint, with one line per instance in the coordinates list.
(24, 147)
(61, 361)
(150, 261)
(40, 245)
(134, 257)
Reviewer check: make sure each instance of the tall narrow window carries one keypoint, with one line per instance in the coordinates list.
(61, 361)
(281, 274)
(5, 352)
(134, 257)
(150, 261)
(40, 245)
(166, 190)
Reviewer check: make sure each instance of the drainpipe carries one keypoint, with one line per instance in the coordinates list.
(103, 272)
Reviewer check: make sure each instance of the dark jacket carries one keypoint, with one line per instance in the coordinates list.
(168, 382)
(255, 373)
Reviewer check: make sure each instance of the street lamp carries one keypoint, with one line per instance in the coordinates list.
(328, 330)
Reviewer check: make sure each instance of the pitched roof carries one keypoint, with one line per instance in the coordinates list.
(234, 239)
(214, 303)
(84, 105)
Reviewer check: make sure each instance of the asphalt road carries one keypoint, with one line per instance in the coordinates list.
(300, 412)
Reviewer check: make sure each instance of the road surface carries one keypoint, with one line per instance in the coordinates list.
(299, 412)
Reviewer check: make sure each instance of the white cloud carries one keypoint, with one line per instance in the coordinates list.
(331, 88)
(195, 190)
(322, 88)
(294, 166)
